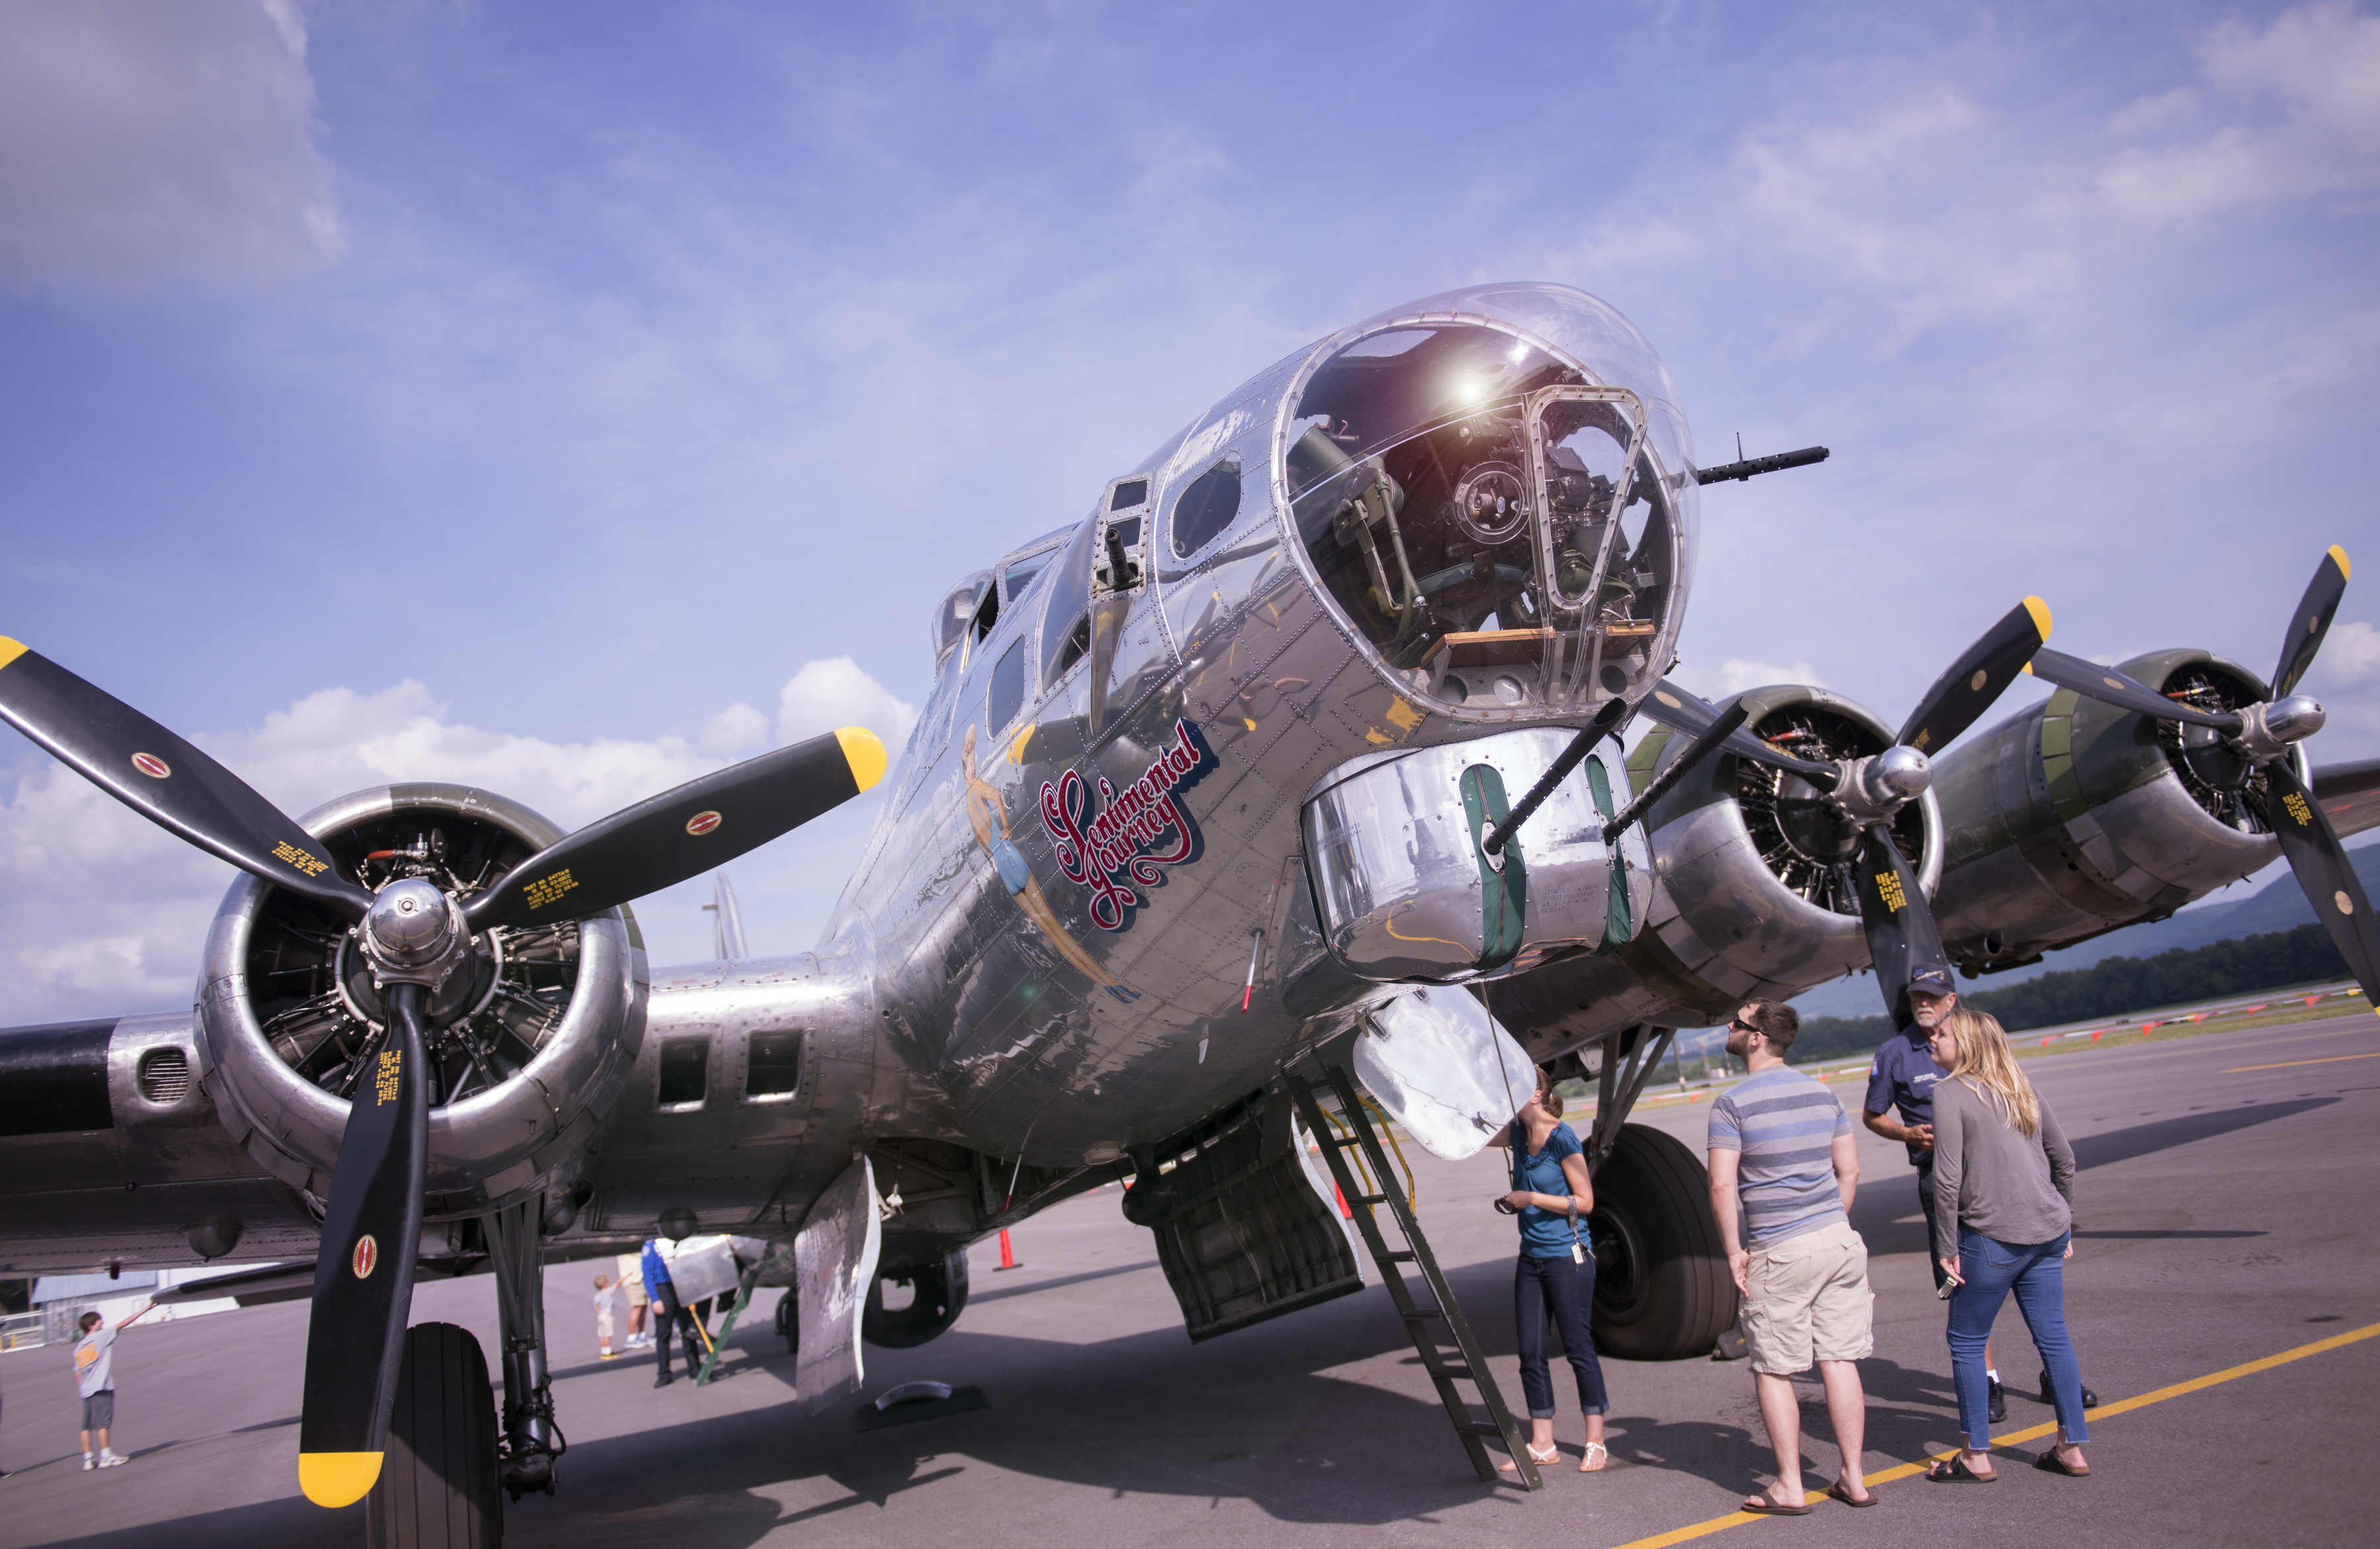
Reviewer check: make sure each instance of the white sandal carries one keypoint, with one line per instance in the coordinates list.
(1552, 1456)
(1588, 1463)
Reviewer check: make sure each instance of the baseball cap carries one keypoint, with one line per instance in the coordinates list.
(1931, 978)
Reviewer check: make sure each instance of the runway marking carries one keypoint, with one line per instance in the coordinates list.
(2238, 1070)
(2035, 1433)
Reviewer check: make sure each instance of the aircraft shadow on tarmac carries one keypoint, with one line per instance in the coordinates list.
(1142, 1413)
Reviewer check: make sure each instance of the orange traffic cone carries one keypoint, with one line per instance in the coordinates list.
(1007, 1253)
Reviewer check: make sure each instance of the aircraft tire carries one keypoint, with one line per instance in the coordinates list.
(789, 1321)
(438, 1483)
(1662, 1290)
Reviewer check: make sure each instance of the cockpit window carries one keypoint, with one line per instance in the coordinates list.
(1005, 698)
(1493, 521)
(1017, 579)
(949, 624)
(1206, 508)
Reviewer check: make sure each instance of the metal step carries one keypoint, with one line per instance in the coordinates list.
(1469, 1366)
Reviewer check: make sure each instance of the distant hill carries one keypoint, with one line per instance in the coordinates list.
(2280, 905)
(2112, 987)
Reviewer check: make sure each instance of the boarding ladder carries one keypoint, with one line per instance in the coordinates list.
(1424, 1320)
(715, 1346)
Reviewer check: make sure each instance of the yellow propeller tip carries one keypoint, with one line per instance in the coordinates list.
(2040, 611)
(338, 1479)
(864, 753)
(2339, 554)
(10, 649)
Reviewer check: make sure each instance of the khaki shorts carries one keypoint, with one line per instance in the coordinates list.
(1809, 1301)
(632, 1276)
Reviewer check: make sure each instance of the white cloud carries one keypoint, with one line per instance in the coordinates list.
(733, 730)
(144, 143)
(834, 693)
(1735, 674)
(2346, 677)
(2323, 62)
(105, 913)
(2350, 655)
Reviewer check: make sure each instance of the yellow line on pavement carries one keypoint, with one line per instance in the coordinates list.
(2034, 1433)
(2238, 1070)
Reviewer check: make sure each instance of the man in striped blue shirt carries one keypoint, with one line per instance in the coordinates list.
(1781, 1148)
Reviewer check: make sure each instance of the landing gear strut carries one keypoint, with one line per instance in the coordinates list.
(532, 1442)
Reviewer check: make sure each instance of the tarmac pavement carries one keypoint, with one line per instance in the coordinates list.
(2225, 1214)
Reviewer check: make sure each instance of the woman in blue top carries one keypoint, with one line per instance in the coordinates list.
(1554, 1282)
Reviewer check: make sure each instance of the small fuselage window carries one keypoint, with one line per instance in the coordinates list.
(772, 1066)
(1206, 508)
(686, 1072)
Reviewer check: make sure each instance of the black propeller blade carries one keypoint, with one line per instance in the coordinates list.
(2311, 622)
(2307, 838)
(2323, 870)
(1681, 709)
(1901, 935)
(363, 1279)
(696, 828)
(2092, 681)
(165, 778)
(1977, 678)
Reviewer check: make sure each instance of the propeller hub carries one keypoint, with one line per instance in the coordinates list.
(1871, 790)
(413, 934)
(2267, 731)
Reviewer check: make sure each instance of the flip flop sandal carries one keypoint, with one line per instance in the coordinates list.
(1552, 1456)
(2049, 1463)
(1835, 1492)
(1953, 1469)
(1587, 1462)
(1761, 1506)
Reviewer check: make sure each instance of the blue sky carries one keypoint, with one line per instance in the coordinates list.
(554, 395)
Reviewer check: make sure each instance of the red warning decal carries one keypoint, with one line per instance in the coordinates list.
(150, 764)
(701, 823)
(366, 1256)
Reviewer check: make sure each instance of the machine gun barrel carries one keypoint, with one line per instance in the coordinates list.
(1751, 465)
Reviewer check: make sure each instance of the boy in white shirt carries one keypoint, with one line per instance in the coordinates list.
(94, 1365)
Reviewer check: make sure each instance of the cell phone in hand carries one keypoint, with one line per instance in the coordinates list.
(1942, 1292)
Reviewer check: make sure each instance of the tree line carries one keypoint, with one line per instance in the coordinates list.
(2112, 987)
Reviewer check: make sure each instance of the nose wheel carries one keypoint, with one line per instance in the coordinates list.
(438, 1488)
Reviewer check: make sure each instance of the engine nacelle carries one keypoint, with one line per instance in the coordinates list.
(1754, 892)
(535, 1035)
(2075, 818)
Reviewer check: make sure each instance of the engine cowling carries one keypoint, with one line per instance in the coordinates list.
(2074, 817)
(1754, 894)
(546, 1022)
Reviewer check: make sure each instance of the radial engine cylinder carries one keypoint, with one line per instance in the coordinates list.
(1754, 894)
(2074, 817)
(533, 1036)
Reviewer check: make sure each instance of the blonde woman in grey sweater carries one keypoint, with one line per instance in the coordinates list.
(2003, 1222)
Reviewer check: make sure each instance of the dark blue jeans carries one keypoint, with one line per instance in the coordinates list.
(1548, 1293)
(664, 1300)
(2037, 1273)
